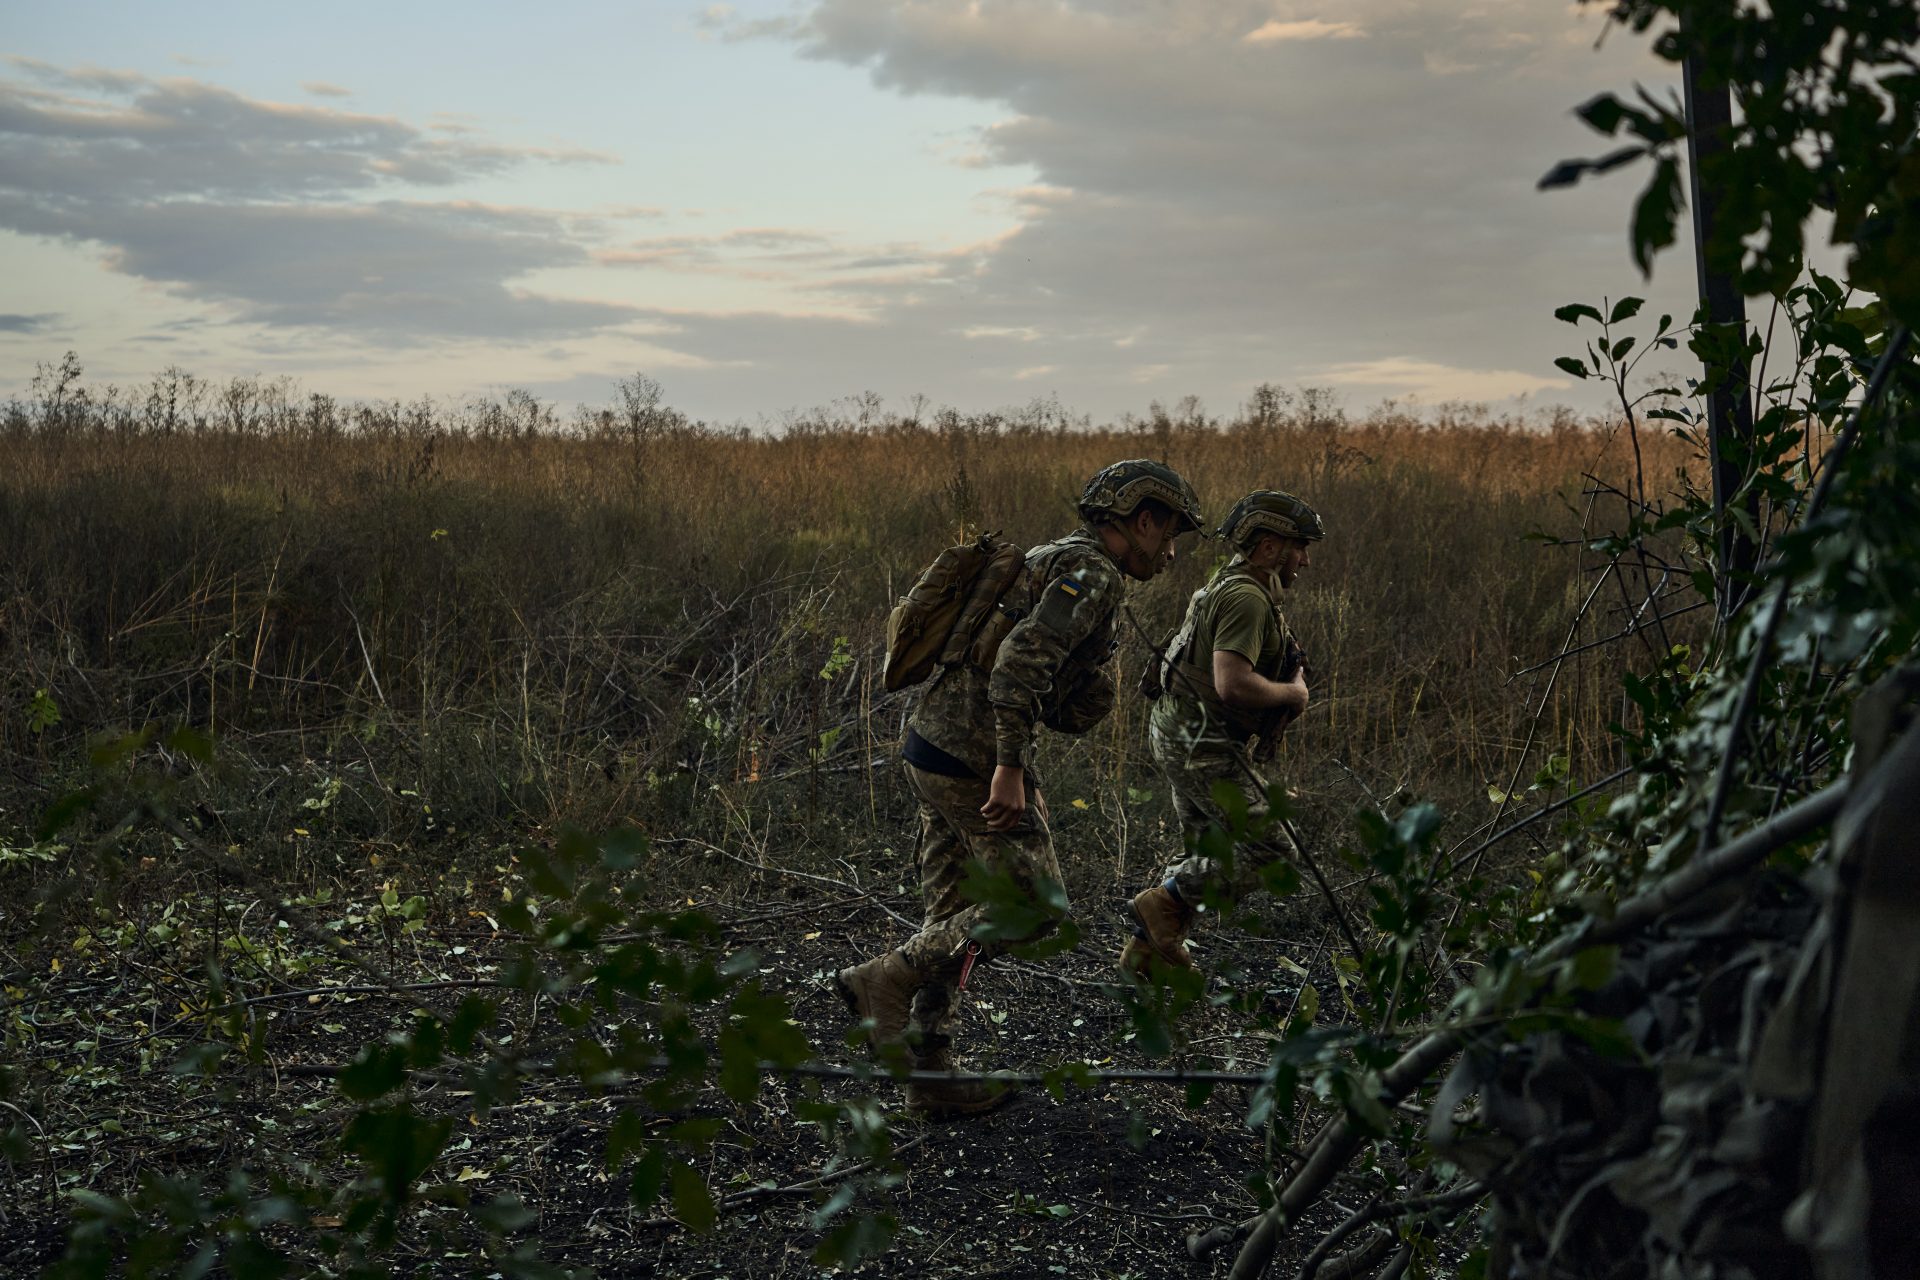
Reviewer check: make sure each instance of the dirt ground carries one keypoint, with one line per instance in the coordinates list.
(1102, 1182)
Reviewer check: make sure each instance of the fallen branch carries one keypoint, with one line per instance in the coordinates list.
(1382, 1213)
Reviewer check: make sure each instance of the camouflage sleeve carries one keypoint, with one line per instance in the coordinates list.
(1069, 608)
(1085, 705)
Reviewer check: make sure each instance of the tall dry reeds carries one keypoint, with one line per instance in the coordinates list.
(409, 617)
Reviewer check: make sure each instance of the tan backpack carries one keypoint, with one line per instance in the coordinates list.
(950, 615)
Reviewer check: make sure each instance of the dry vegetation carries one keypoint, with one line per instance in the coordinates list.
(525, 624)
(422, 636)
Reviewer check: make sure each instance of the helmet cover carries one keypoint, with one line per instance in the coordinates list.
(1270, 511)
(1117, 491)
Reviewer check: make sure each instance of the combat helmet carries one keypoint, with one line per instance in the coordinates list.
(1270, 511)
(1116, 492)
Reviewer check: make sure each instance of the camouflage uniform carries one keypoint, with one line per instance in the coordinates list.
(1051, 669)
(1198, 741)
(1038, 657)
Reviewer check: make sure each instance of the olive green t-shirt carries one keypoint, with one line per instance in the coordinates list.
(1236, 615)
(1240, 619)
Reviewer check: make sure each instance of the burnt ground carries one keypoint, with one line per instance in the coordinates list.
(1100, 1182)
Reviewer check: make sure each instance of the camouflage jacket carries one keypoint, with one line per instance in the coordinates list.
(1050, 669)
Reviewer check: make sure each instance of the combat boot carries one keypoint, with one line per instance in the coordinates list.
(1162, 921)
(881, 990)
(945, 1099)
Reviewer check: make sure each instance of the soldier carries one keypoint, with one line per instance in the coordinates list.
(969, 758)
(1225, 678)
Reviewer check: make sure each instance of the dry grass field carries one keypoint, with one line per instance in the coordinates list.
(421, 638)
(641, 619)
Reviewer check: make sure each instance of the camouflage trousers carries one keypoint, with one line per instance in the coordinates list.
(952, 835)
(1190, 774)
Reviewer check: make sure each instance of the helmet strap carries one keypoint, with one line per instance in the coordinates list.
(1133, 544)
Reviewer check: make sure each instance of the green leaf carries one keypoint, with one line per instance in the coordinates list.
(506, 1214)
(378, 1069)
(1590, 969)
(199, 1060)
(1628, 308)
(692, 1202)
(626, 1135)
(739, 1066)
(1604, 113)
(1232, 799)
(623, 849)
(855, 1240)
(475, 1014)
(1655, 214)
(698, 1132)
(195, 744)
(1567, 364)
(649, 1178)
(63, 811)
(1573, 311)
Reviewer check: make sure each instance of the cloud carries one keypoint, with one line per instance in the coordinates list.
(801, 260)
(1274, 31)
(40, 323)
(1430, 381)
(1244, 191)
(285, 215)
(322, 89)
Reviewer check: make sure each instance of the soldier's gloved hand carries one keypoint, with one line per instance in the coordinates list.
(1006, 798)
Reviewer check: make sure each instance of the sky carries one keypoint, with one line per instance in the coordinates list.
(767, 207)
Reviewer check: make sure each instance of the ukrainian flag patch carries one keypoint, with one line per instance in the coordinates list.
(1057, 606)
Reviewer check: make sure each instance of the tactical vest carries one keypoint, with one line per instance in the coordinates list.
(1187, 667)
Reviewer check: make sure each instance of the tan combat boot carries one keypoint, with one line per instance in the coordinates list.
(944, 1099)
(881, 990)
(1163, 922)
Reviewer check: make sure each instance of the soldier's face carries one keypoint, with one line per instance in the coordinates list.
(1153, 541)
(1295, 555)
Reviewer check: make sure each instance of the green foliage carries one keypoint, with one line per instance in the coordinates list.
(1828, 97)
(638, 998)
(42, 712)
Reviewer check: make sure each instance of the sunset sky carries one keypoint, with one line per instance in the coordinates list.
(766, 206)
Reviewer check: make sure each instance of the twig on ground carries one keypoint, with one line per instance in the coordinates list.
(855, 889)
(751, 1194)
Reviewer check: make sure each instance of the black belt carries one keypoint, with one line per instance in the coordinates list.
(926, 757)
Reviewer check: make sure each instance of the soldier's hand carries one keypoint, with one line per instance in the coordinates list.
(1006, 798)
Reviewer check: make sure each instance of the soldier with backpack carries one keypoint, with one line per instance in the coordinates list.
(1232, 673)
(1021, 641)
